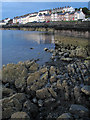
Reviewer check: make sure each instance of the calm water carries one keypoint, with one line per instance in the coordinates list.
(16, 46)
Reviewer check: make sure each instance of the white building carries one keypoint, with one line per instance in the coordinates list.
(80, 15)
(2, 23)
(6, 20)
(43, 12)
(68, 9)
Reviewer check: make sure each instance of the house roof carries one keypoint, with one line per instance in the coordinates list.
(47, 15)
(72, 12)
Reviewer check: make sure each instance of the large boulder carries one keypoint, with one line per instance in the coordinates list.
(6, 92)
(32, 77)
(79, 110)
(13, 72)
(34, 67)
(31, 108)
(81, 52)
(12, 104)
(43, 93)
(20, 116)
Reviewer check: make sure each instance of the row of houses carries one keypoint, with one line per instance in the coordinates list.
(57, 14)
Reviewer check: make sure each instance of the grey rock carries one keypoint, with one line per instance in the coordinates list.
(20, 115)
(86, 89)
(43, 93)
(65, 116)
(79, 110)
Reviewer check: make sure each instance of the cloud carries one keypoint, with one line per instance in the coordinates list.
(44, 1)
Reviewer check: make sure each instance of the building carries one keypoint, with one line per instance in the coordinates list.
(2, 23)
(43, 12)
(6, 20)
(68, 9)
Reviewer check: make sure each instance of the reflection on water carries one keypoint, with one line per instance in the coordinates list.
(17, 44)
(40, 38)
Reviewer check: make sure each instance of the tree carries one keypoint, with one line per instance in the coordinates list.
(85, 11)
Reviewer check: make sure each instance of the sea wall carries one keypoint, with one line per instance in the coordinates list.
(75, 29)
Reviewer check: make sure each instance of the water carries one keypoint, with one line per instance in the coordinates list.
(16, 46)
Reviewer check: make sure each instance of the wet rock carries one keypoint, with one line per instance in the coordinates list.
(32, 77)
(52, 70)
(34, 67)
(81, 52)
(20, 83)
(12, 72)
(10, 105)
(45, 49)
(79, 110)
(40, 103)
(43, 93)
(66, 59)
(86, 89)
(65, 116)
(66, 55)
(43, 70)
(59, 84)
(49, 101)
(31, 108)
(6, 92)
(20, 115)
(34, 100)
(53, 79)
(77, 93)
(44, 76)
(53, 93)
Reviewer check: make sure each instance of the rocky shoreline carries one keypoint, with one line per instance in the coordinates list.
(58, 90)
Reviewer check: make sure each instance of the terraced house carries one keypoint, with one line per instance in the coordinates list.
(57, 14)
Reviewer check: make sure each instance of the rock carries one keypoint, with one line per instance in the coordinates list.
(73, 53)
(44, 76)
(31, 48)
(65, 116)
(49, 101)
(53, 93)
(40, 103)
(20, 83)
(66, 59)
(12, 72)
(34, 100)
(43, 70)
(6, 92)
(77, 93)
(43, 93)
(59, 84)
(81, 52)
(31, 108)
(86, 89)
(52, 70)
(34, 67)
(66, 55)
(79, 110)
(10, 105)
(53, 79)
(45, 49)
(32, 77)
(20, 115)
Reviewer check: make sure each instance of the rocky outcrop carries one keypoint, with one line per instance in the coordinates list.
(58, 90)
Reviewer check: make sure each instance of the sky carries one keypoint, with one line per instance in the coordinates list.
(13, 9)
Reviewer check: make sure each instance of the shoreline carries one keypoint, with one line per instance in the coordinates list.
(58, 88)
(64, 28)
